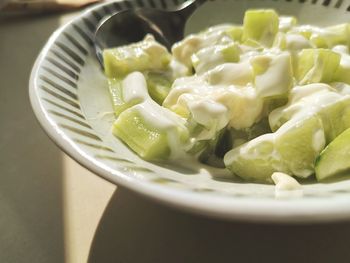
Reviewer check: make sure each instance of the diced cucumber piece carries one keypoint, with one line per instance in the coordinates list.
(319, 41)
(158, 86)
(299, 144)
(336, 118)
(235, 32)
(331, 36)
(273, 74)
(116, 91)
(317, 65)
(260, 25)
(147, 141)
(230, 53)
(144, 55)
(342, 74)
(128, 92)
(254, 160)
(290, 150)
(339, 35)
(334, 159)
(325, 37)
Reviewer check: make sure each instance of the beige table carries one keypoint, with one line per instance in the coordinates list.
(53, 210)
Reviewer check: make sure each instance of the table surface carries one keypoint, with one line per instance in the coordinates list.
(53, 210)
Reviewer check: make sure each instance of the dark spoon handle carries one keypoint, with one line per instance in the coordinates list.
(187, 8)
(174, 30)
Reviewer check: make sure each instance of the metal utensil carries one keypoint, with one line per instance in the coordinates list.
(132, 25)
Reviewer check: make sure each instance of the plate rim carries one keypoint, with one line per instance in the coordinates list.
(278, 211)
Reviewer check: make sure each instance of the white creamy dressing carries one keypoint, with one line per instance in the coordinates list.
(345, 57)
(341, 49)
(286, 23)
(296, 42)
(305, 100)
(285, 182)
(277, 79)
(207, 58)
(165, 121)
(139, 49)
(341, 88)
(177, 69)
(238, 74)
(135, 87)
(318, 140)
(310, 29)
(242, 104)
(183, 50)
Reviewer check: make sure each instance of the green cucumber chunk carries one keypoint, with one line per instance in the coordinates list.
(260, 25)
(147, 141)
(331, 36)
(141, 56)
(334, 159)
(158, 86)
(128, 92)
(290, 150)
(336, 118)
(235, 32)
(116, 90)
(317, 65)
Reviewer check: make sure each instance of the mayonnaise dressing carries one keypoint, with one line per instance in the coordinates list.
(277, 79)
(296, 42)
(238, 74)
(285, 182)
(207, 58)
(303, 101)
(184, 49)
(165, 121)
(286, 23)
(135, 87)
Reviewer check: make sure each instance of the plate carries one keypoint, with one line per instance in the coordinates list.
(69, 96)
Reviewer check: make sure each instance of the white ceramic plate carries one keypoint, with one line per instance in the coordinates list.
(69, 96)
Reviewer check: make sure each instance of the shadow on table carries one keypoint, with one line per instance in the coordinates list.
(135, 229)
(31, 227)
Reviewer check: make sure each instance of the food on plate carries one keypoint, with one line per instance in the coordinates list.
(334, 159)
(269, 100)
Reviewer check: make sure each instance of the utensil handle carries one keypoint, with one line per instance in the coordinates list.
(188, 7)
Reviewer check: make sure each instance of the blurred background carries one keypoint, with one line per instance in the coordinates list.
(53, 210)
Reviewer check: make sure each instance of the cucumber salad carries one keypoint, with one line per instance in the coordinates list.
(268, 100)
